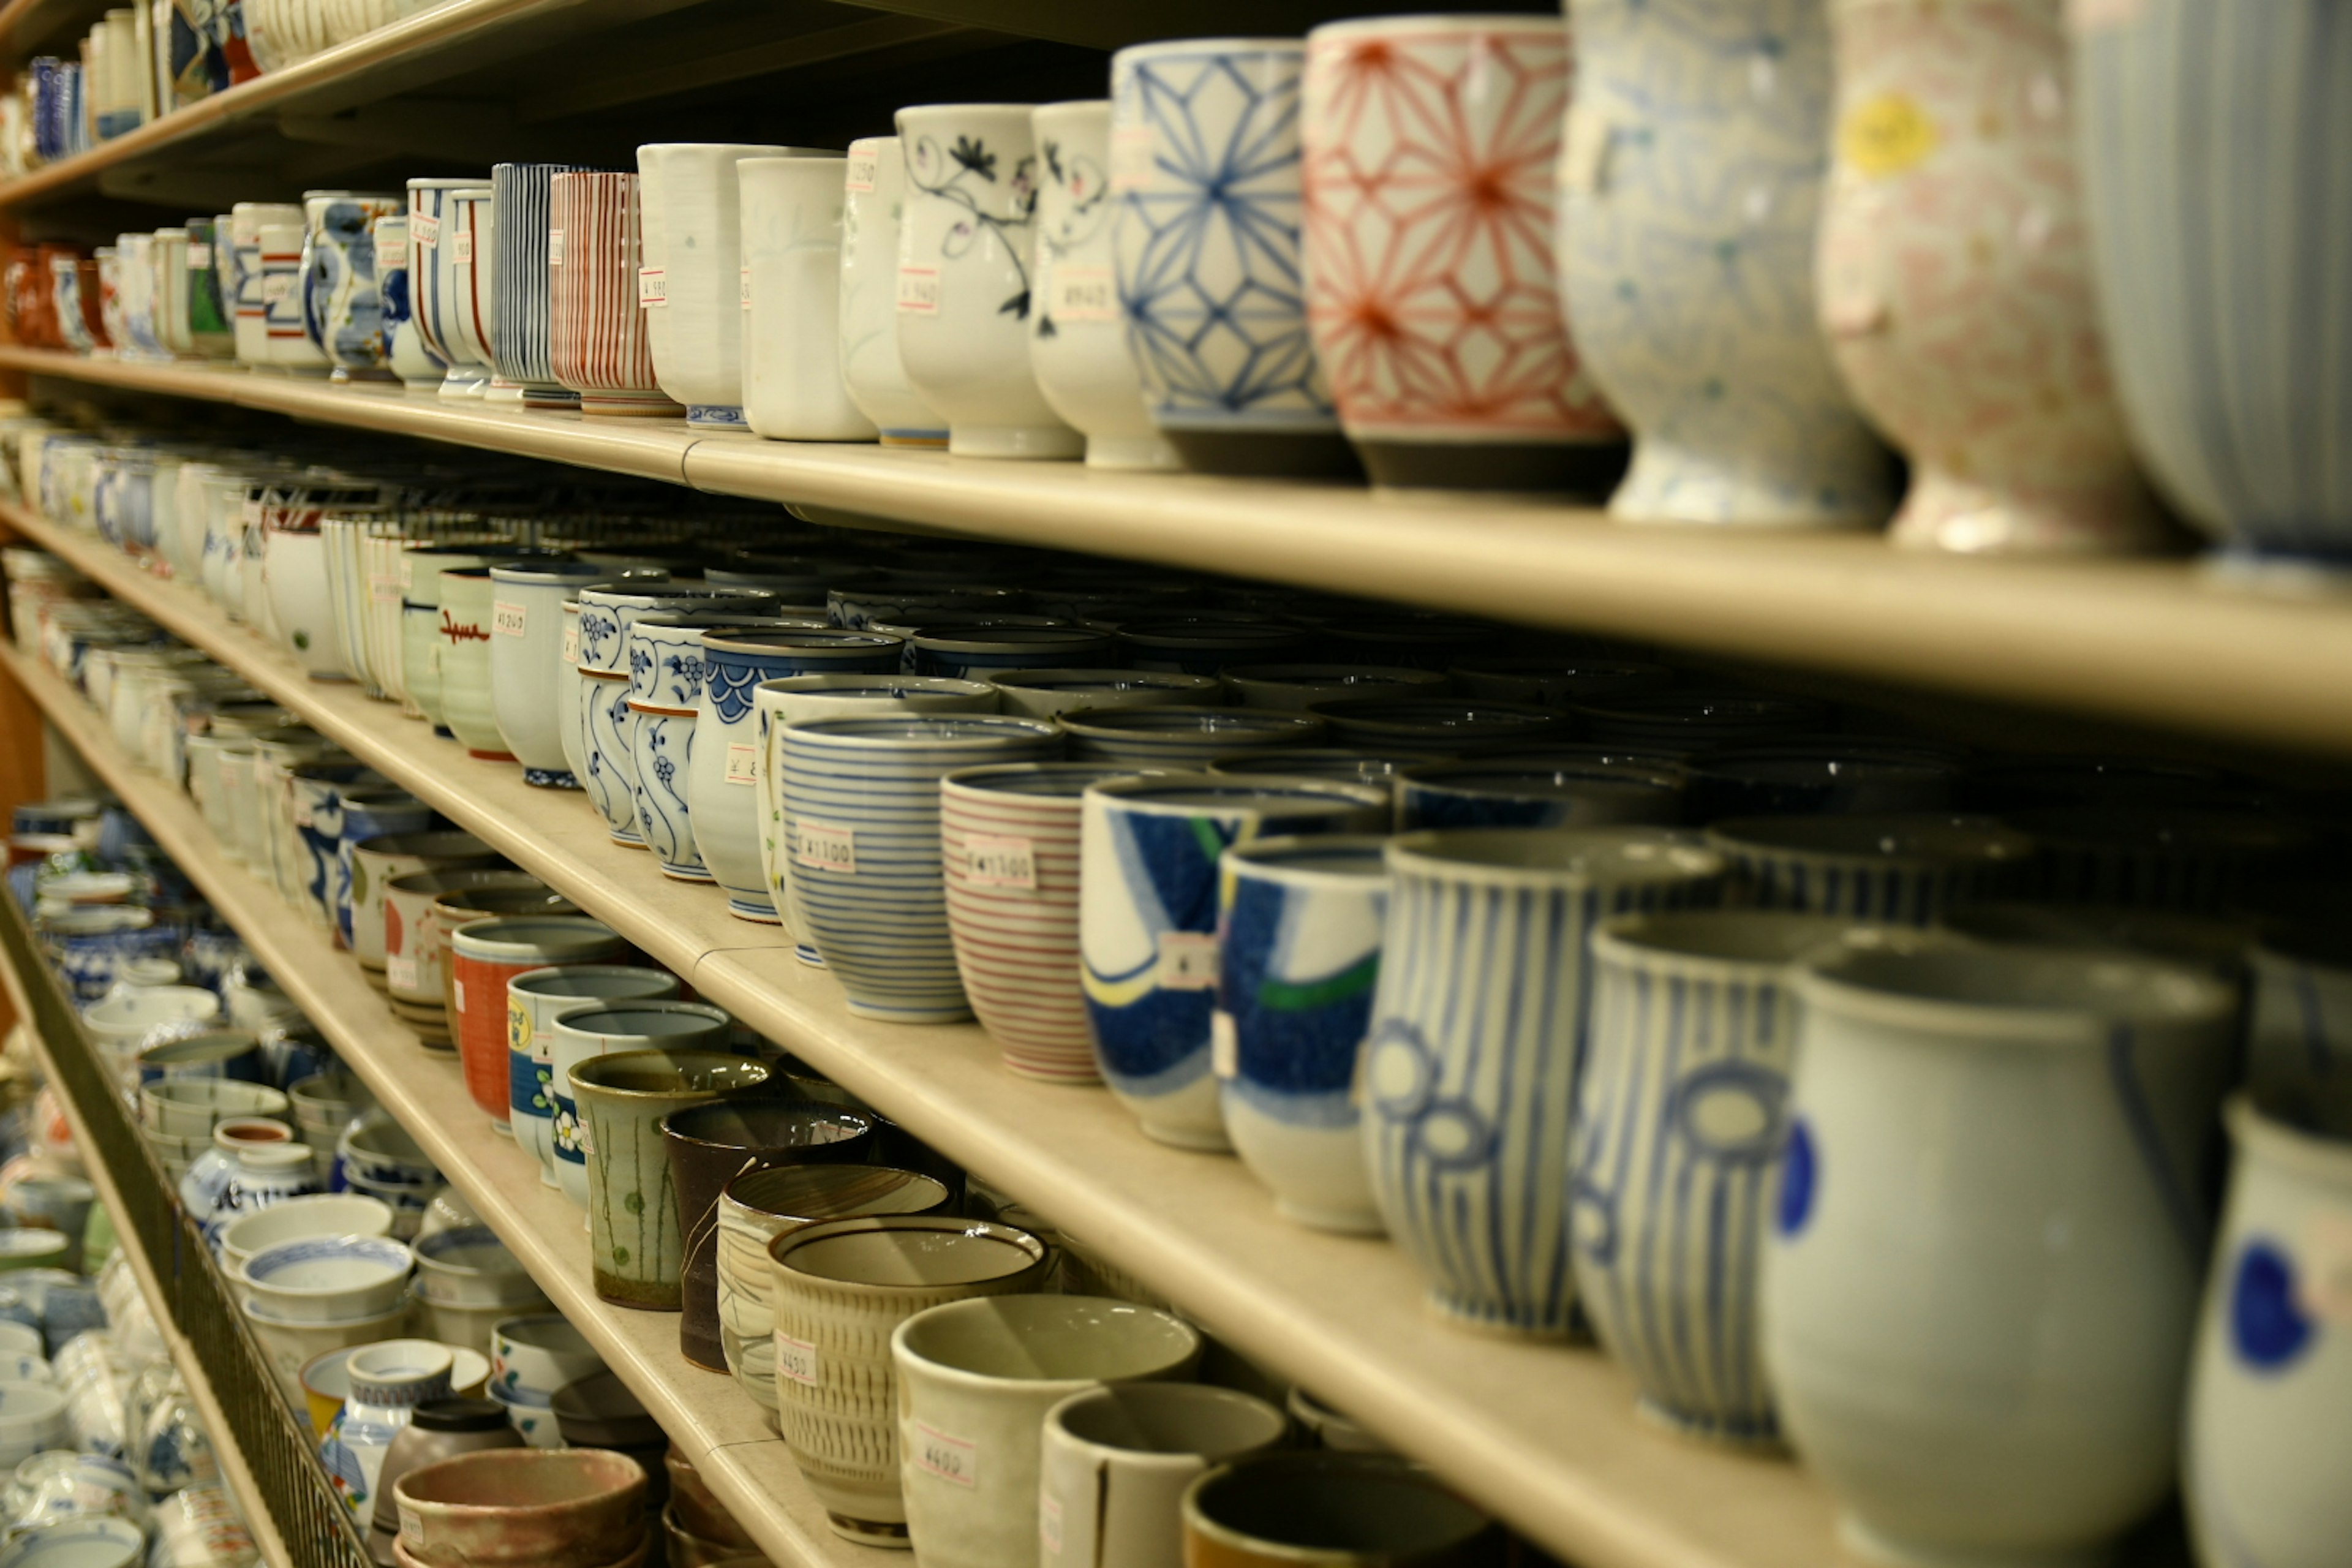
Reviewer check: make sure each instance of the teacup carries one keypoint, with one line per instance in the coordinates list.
(1268, 1511)
(535, 998)
(595, 1028)
(1116, 1461)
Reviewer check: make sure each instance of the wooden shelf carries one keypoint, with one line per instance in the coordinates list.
(1545, 1435)
(2155, 643)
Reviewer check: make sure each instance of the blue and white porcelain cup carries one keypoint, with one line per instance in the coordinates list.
(1478, 1040)
(1534, 792)
(2270, 1396)
(418, 368)
(343, 304)
(1905, 870)
(286, 347)
(370, 814)
(1299, 954)
(860, 801)
(1205, 169)
(874, 188)
(314, 803)
(1981, 1280)
(520, 329)
(536, 998)
(527, 628)
(666, 678)
(722, 790)
(1681, 1120)
(1148, 853)
(430, 210)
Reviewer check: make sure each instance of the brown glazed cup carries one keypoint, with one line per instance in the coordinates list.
(1332, 1511)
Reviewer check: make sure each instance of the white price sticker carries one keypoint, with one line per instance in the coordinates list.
(859, 175)
(1187, 960)
(919, 291)
(653, 287)
(999, 862)
(572, 641)
(400, 973)
(827, 845)
(275, 286)
(1049, 1522)
(1224, 1044)
(302, 816)
(425, 228)
(1130, 158)
(199, 256)
(795, 1359)
(1082, 294)
(505, 618)
(555, 248)
(392, 251)
(743, 287)
(383, 588)
(743, 763)
(953, 1460)
(456, 994)
(2324, 1289)
(461, 247)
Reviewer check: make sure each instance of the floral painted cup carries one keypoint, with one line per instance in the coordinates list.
(536, 998)
(592, 1028)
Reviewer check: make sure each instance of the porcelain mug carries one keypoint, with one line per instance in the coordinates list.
(342, 308)
(484, 955)
(536, 998)
(376, 861)
(873, 192)
(692, 281)
(286, 347)
(607, 1028)
(465, 260)
(967, 244)
(518, 278)
(251, 328)
(468, 604)
(431, 222)
(791, 385)
(527, 626)
(1116, 1461)
(598, 346)
(419, 369)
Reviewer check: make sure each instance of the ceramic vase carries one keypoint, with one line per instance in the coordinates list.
(874, 194)
(469, 610)
(840, 1290)
(418, 368)
(430, 210)
(1078, 338)
(1688, 206)
(612, 1028)
(526, 633)
(1298, 931)
(342, 302)
(598, 346)
(2229, 399)
(2266, 1393)
(1955, 279)
(2001, 1381)
(519, 281)
(1468, 1106)
(1148, 853)
(757, 1206)
(791, 227)
(1903, 870)
(1428, 147)
(635, 1239)
(691, 280)
(1205, 169)
(287, 346)
(723, 786)
(484, 955)
(967, 246)
(861, 828)
(536, 998)
(1009, 845)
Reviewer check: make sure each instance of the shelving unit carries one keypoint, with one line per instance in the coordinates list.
(2151, 642)
(1544, 1434)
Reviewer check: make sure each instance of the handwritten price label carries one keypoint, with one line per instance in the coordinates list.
(955, 1460)
(572, 641)
(392, 251)
(507, 618)
(200, 257)
(919, 291)
(743, 763)
(999, 862)
(1187, 960)
(653, 287)
(796, 1359)
(743, 287)
(461, 247)
(859, 176)
(1082, 294)
(555, 248)
(424, 229)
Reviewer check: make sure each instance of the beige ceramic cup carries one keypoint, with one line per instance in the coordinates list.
(376, 861)
(1116, 1462)
(839, 1290)
(1332, 1511)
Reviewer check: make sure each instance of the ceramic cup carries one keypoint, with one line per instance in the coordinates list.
(1205, 169)
(526, 670)
(468, 600)
(598, 346)
(840, 1291)
(967, 248)
(1434, 385)
(1282, 1509)
(432, 223)
(419, 369)
(251, 326)
(1966, 1386)
(597, 1028)
(465, 259)
(1148, 852)
(874, 185)
(1535, 793)
(691, 280)
(791, 225)
(342, 306)
(1689, 155)
(757, 1206)
(1298, 929)
(1899, 868)
(536, 998)
(1077, 337)
(1681, 1123)
(1116, 1462)
(975, 1381)
(1467, 1106)
(1176, 737)
(414, 946)
(637, 1240)
(518, 278)
(861, 828)
(1049, 693)
(484, 955)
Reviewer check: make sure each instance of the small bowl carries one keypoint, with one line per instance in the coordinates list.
(212, 1054)
(32, 1417)
(469, 1267)
(300, 1218)
(407, 1201)
(503, 1508)
(457, 1323)
(191, 1106)
(328, 1280)
(536, 1355)
(532, 1416)
(379, 1150)
(31, 1248)
(94, 1542)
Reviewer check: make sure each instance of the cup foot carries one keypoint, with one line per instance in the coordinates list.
(1587, 468)
(503, 391)
(628, 836)
(1754, 1435)
(871, 1531)
(1024, 441)
(1209, 1140)
(945, 1013)
(1502, 1319)
(1266, 453)
(1131, 452)
(716, 417)
(686, 873)
(628, 405)
(935, 439)
(808, 955)
(490, 756)
(759, 911)
(1039, 1068)
(1867, 1541)
(644, 1295)
(551, 778)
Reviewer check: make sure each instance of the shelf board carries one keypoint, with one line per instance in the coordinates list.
(1544, 1434)
(2157, 643)
(709, 1419)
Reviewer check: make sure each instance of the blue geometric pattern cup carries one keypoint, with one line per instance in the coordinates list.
(1149, 848)
(1478, 1039)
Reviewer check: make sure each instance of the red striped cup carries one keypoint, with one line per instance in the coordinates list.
(597, 344)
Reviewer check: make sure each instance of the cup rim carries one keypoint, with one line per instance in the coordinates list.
(2148, 992)
(1553, 858)
(1036, 1254)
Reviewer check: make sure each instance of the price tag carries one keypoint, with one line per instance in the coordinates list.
(392, 250)
(461, 247)
(302, 816)
(1187, 960)
(743, 288)
(919, 291)
(953, 1460)
(425, 228)
(827, 845)
(2324, 1287)
(859, 175)
(199, 255)
(1130, 158)
(383, 588)
(505, 618)
(572, 641)
(1049, 1522)
(1224, 1044)
(275, 286)
(457, 993)
(653, 287)
(743, 763)
(555, 248)
(795, 1359)
(1002, 862)
(400, 973)
(1082, 294)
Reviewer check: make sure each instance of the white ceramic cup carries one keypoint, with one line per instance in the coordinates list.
(874, 185)
(692, 288)
(527, 670)
(1116, 1460)
(793, 389)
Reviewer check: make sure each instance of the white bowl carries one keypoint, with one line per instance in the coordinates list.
(455, 1323)
(22, 1338)
(381, 1151)
(32, 1416)
(99, 1543)
(290, 1346)
(328, 1279)
(535, 1419)
(470, 1266)
(122, 1019)
(189, 1107)
(296, 1220)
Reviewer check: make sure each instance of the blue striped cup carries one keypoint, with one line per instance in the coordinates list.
(1903, 869)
